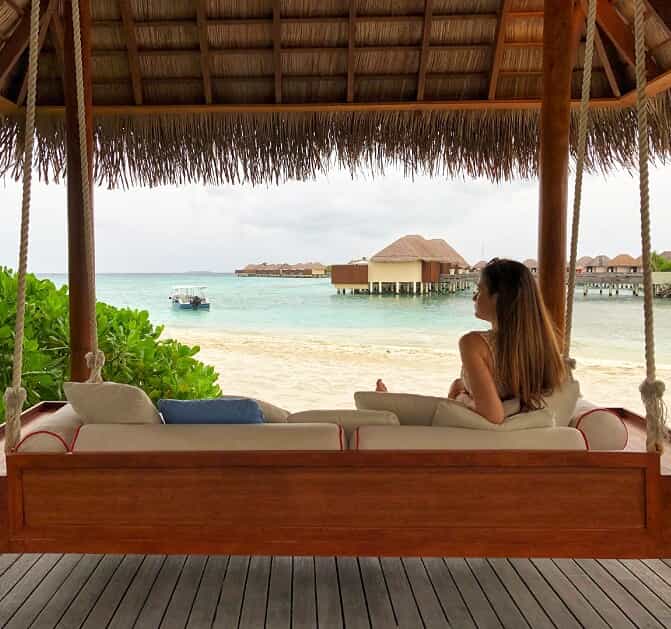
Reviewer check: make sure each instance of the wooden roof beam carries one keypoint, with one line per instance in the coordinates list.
(44, 30)
(424, 55)
(351, 45)
(204, 41)
(662, 10)
(498, 49)
(621, 34)
(15, 7)
(277, 50)
(131, 46)
(608, 65)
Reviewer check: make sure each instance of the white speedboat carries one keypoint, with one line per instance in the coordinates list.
(190, 298)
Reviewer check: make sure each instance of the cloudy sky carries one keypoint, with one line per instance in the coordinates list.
(331, 220)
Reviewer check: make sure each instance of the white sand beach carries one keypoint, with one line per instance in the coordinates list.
(307, 371)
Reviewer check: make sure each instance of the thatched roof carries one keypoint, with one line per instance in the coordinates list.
(585, 261)
(666, 255)
(263, 91)
(478, 266)
(624, 259)
(601, 261)
(530, 263)
(264, 266)
(413, 248)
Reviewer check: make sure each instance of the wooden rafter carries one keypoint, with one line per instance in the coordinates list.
(498, 49)
(424, 55)
(351, 45)
(277, 50)
(204, 41)
(58, 36)
(661, 9)
(621, 34)
(131, 46)
(13, 49)
(15, 7)
(608, 66)
(44, 30)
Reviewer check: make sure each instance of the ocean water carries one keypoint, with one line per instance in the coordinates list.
(607, 330)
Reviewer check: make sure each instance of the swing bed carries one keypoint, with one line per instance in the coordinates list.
(463, 503)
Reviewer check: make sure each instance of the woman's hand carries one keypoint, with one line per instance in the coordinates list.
(456, 389)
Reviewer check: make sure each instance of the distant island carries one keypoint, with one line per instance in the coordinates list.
(302, 269)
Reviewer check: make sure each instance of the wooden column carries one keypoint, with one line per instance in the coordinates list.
(80, 330)
(554, 156)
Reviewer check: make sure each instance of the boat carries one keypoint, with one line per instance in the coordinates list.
(189, 298)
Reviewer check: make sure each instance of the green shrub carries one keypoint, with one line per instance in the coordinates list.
(660, 263)
(133, 352)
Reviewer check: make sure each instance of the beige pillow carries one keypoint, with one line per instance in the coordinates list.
(271, 414)
(562, 402)
(455, 415)
(350, 420)
(111, 403)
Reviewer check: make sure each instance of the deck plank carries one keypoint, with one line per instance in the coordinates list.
(504, 606)
(524, 599)
(208, 592)
(594, 594)
(85, 600)
(112, 595)
(450, 598)
(6, 561)
(25, 587)
(279, 594)
(16, 572)
(660, 568)
(329, 611)
(571, 596)
(157, 601)
(429, 606)
(380, 611)
(554, 607)
(304, 607)
(256, 594)
(640, 616)
(29, 609)
(232, 592)
(483, 613)
(352, 595)
(184, 593)
(400, 593)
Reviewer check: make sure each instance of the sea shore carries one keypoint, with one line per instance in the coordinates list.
(301, 371)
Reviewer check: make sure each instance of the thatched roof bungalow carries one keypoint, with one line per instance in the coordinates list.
(531, 264)
(304, 269)
(478, 266)
(623, 263)
(263, 91)
(599, 264)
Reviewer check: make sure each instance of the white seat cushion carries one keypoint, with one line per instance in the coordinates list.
(348, 419)
(111, 403)
(54, 432)
(455, 415)
(207, 437)
(562, 402)
(602, 428)
(441, 438)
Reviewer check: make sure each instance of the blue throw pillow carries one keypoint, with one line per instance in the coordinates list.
(215, 411)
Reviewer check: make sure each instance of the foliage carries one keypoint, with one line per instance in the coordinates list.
(659, 263)
(133, 350)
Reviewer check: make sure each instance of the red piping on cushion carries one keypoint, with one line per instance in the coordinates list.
(340, 436)
(584, 436)
(605, 410)
(41, 432)
(356, 439)
(74, 439)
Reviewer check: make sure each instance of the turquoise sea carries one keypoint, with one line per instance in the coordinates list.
(606, 329)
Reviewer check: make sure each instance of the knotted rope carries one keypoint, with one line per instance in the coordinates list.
(15, 395)
(95, 359)
(652, 390)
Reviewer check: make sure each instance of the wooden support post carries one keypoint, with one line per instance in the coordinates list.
(554, 156)
(80, 329)
(351, 45)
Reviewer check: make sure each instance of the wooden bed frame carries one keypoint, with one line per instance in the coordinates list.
(465, 503)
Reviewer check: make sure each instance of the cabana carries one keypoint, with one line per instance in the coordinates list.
(270, 90)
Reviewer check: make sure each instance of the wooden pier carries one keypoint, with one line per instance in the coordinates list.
(613, 283)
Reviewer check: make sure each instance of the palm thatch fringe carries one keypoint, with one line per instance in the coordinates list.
(272, 148)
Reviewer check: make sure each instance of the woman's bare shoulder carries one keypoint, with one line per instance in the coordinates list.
(473, 341)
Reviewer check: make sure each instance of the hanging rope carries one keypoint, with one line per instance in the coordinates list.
(580, 169)
(95, 359)
(652, 390)
(15, 395)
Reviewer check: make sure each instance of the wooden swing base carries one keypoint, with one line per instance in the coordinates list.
(461, 503)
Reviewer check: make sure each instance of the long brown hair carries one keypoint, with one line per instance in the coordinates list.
(527, 358)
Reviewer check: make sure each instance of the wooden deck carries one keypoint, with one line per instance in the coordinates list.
(94, 591)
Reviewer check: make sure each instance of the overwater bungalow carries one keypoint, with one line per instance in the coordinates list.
(531, 264)
(304, 270)
(624, 263)
(408, 266)
(599, 264)
(338, 511)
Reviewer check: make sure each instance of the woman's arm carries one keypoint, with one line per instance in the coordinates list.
(476, 360)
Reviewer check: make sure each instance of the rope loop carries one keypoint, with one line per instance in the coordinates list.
(15, 398)
(652, 389)
(95, 361)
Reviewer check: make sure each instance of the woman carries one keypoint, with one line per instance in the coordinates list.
(519, 357)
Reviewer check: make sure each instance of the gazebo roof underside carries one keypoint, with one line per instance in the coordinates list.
(264, 90)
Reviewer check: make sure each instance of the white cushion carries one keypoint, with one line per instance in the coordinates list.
(348, 419)
(412, 409)
(602, 428)
(111, 403)
(207, 437)
(53, 432)
(562, 402)
(442, 438)
(271, 413)
(456, 415)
